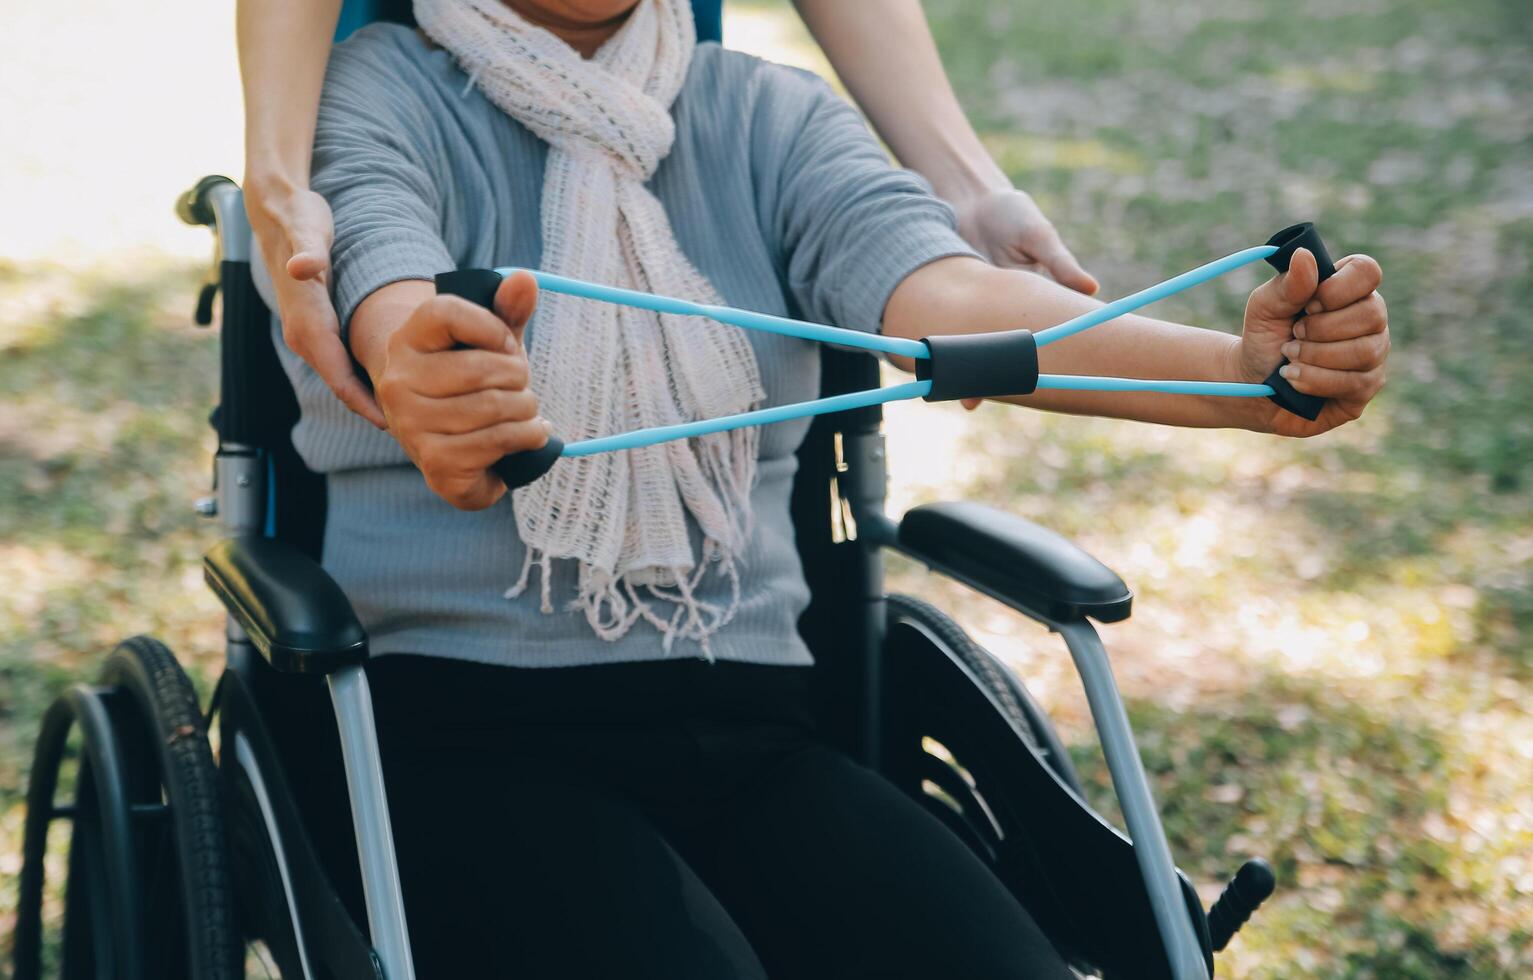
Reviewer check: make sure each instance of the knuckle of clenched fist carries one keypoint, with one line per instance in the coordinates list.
(524, 407)
(1374, 271)
(514, 438)
(433, 461)
(441, 488)
(502, 404)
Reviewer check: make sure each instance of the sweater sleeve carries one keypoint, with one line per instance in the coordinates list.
(848, 225)
(378, 156)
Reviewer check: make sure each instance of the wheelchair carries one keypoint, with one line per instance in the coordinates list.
(255, 828)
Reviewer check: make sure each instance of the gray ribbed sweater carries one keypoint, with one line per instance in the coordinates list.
(776, 192)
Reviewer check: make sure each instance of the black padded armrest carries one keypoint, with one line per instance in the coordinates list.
(292, 609)
(1014, 560)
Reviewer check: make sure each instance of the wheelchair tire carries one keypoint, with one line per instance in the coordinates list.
(1029, 720)
(147, 893)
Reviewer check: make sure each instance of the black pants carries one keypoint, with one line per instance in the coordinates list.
(670, 820)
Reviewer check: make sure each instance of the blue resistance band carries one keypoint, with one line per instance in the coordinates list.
(915, 349)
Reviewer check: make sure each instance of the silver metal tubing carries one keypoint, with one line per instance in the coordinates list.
(247, 761)
(239, 484)
(370, 818)
(230, 223)
(240, 475)
(1183, 950)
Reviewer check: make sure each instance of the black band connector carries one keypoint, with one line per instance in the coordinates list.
(1302, 235)
(518, 469)
(980, 365)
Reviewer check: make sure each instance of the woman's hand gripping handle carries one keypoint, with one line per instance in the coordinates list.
(1294, 237)
(1325, 327)
(479, 286)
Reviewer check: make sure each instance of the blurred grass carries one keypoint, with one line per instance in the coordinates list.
(1329, 663)
(103, 445)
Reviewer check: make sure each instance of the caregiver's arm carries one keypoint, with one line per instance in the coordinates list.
(1339, 353)
(885, 54)
(283, 47)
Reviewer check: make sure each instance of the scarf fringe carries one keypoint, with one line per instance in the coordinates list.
(611, 606)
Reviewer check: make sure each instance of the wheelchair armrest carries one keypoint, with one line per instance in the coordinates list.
(291, 608)
(1014, 560)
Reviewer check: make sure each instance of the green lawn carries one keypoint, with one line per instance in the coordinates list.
(1329, 662)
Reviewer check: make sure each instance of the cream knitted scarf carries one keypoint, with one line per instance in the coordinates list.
(601, 369)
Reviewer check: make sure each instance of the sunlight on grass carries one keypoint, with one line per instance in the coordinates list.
(1315, 80)
(1018, 152)
(1328, 662)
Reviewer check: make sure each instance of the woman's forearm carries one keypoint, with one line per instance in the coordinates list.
(283, 48)
(885, 55)
(963, 295)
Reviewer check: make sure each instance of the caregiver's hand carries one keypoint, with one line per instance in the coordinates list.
(1337, 350)
(1006, 226)
(294, 228)
(452, 380)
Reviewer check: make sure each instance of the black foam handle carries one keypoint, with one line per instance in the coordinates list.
(1302, 235)
(518, 469)
(979, 365)
(1250, 887)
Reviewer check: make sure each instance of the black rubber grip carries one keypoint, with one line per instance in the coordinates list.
(1250, 887)
(193, 206)
(518, 469)
(979, 365)
(1302, 235)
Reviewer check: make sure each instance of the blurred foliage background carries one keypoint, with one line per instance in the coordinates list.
(1330, 662)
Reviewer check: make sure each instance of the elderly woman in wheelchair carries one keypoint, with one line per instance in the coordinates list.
(650, 715)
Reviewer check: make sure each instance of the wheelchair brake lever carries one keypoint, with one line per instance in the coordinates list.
(203, 314)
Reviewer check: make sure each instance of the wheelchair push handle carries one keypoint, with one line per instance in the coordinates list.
(1294, 237)
(517, 469)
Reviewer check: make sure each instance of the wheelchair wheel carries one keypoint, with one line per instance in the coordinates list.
(146, 891)
(1029, 720)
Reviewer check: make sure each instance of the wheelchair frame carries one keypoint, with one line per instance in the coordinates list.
(1002, 780)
